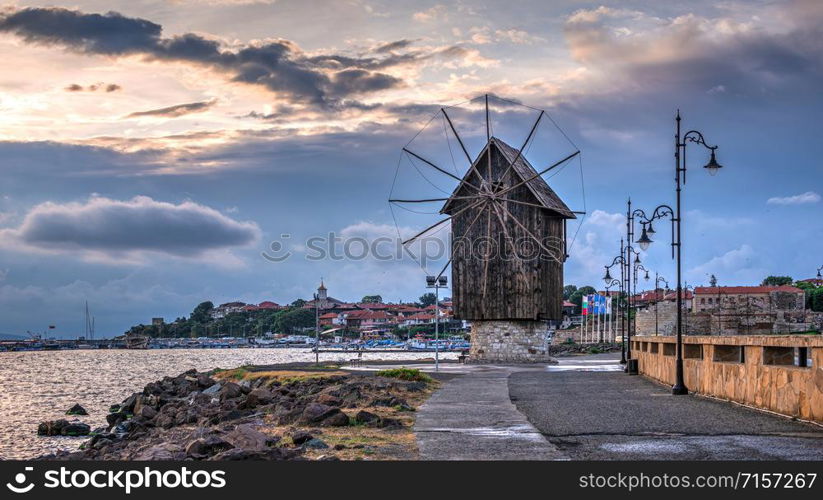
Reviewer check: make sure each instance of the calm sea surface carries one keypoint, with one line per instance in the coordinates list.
(42, 385)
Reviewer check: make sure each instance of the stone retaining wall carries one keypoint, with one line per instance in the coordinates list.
(760, 371)
(509, 342)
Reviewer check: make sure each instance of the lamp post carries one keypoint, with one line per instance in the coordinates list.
(620, 259)
(657, 280)
(818, 272)
(610, 283)
(436, 282)
(316, 330)
(680, 142)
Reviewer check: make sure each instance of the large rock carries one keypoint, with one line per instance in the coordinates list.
(75, 429)
(299, 437)
(207, 446)
(316, 412)
(247, 437)
(77, 410)
(258, 397)
(52, 427)
(367, 418)
(167, 451)
(230, 391)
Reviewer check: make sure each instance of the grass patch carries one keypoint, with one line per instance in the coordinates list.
(408, 374)
(282, 376)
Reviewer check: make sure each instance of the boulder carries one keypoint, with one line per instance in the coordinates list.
(247, 437)
(161, 452)
(206, 447)
(267, 454)
(367, 418)
(317, 412)
(147, 412)
(258, 397)
(337, 419)
(77, 410)
(75, 429)
(316, 444)
(213, 390)
(52, 427)
(229, 391)
(329, 400)
(299, 437)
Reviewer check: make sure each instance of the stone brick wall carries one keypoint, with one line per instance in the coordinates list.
(741, 368)
(509, 342)
(751, 319)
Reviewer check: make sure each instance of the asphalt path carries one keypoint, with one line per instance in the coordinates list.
(590, 410)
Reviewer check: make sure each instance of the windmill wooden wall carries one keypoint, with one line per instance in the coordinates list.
(505, 287)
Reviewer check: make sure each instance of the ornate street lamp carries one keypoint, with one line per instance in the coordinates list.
(620, 259)
(436, 282)
(692, 136)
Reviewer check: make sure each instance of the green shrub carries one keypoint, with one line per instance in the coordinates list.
(409, 374)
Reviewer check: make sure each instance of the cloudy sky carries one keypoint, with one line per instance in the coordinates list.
(153, 150)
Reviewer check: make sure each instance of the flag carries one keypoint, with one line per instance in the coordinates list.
(585, 306)
(609, 305)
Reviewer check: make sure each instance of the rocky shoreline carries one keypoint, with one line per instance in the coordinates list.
(259, 413)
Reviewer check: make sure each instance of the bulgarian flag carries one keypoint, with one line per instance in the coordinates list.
(585, 305)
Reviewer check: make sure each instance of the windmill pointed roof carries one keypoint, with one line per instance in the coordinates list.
(544, 194)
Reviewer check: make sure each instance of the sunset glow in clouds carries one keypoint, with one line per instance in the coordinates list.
(262, 118)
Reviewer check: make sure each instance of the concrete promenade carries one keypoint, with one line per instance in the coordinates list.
(586, 408)
(591, 410)
(472, 418)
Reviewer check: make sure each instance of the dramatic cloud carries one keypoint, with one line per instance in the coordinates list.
(278, 65)
(114, 227)
(712, 55)
(176, 110)
(798, 199)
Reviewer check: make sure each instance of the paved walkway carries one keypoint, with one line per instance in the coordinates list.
(591, 410)
(586, 408)
(472, 418)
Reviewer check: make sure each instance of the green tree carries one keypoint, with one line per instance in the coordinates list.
(577, 297)
(295, 319)
(777, 280)
(201, 313)
(816, 299)
(372, 299)
(568, 290)
(427, 299)
(298, 303)
(712, 280)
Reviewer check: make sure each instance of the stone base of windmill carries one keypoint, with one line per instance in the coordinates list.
(507, 342)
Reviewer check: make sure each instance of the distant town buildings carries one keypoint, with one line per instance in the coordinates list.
(362, 317)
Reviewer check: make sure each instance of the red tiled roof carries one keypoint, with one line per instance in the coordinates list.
(268, 305)
(328, 316)
(742, 290)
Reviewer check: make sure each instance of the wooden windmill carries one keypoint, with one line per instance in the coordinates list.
(508, 247)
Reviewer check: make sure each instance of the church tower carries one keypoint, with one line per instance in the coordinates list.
(322, 294)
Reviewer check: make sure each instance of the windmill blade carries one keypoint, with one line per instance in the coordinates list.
(525, 143)
(456, 135)
(531, 235)
(472, 167)
(421, 233)
(486, 256)
(468, 228)
(428, 200)
(427, 162)
(538, 174)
